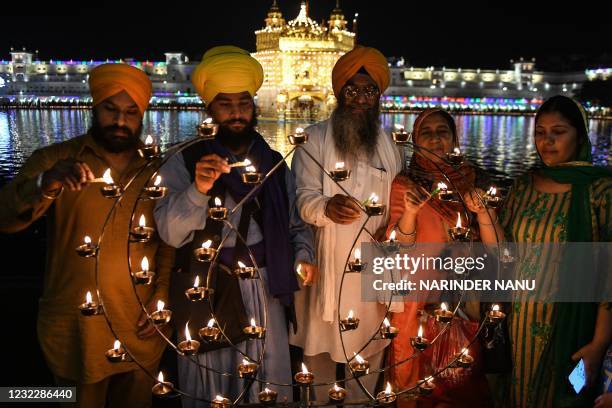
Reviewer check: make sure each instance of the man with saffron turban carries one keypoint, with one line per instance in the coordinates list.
(352, 135)
(55, 181)
(274, 237)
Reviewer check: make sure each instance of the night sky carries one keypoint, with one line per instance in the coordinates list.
(441, 33)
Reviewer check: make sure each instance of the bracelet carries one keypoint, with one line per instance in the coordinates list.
(398, 229)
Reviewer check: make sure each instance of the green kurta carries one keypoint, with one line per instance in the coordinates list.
(533, 216)
(74, 345)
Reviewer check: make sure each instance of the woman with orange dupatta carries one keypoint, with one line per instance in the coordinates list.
(418, 217)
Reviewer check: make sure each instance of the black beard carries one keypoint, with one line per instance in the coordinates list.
(233, 140)
(355, 133)
(104, 136)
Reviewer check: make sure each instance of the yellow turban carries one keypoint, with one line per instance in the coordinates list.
(367, 58)
(107, 80)
(226, 69)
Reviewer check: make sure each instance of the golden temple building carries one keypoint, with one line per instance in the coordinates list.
(297, 58)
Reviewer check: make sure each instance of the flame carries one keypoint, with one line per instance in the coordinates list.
(241, 265)
(142, 222)
(456, 150)
(304, 369)
(299, 130)
(253, 322)
(196, 281)
(267, 390)
(359, 359)
(495, 308)
(388, 389)
(443, 307)
(207, 244)
(506, 252)
(87, 240)
(117, 345)
(386, 322)
(373, 198)
(442, 186)
(88, 297)
(251, 169)
(217, 202)
(157, 181)
(392, 236)
(144, 264)
(465, 352)
(339, 165)
(299, 269)
(247, 162)
(107, 177)
(219, 398)
(336, 388)
(208, 121)
(160, 305)
(187, 335)
(245, 361)
(211, 323)
(429, 380)
(399, 127)
(358, 254)
(149, 140)
(351, 315)
(160, 377)
(458, 225)
(420, 331)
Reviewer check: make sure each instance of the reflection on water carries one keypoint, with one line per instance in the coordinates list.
(501, 144)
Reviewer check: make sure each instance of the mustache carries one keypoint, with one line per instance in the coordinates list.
(234, 122)
(115, 128)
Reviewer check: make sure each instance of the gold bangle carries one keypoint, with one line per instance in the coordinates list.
(397, 228)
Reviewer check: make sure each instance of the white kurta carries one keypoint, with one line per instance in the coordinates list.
(316, 307)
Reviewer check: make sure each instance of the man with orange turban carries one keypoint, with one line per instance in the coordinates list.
(56, 180)
(277, 240)
(352, 135)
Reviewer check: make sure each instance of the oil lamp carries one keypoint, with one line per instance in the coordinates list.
(373, 207)
(144, 276)
(110, 189)
(161, 315)
(443, 315)
(141, 233)
(205, 253)
(386, 397)
(162, 388)
(340, 173)
(253, 331)
(458, 232)
(387, 331)
(350, 322)
(356, 265)
(304, 377)
(155, 191)
(399, 135)
(150, 150)
(217, 212)
(299, 137)
(188, 346)
(87, 250)
(419, 342)
(207, 129)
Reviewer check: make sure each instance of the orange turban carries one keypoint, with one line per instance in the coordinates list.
(367, 58)
(107, 80)
(227, 69)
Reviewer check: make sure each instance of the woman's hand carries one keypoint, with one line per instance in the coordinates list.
(414, 199)
(592, 354)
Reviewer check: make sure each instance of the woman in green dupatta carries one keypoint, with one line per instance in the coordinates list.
(567, 200)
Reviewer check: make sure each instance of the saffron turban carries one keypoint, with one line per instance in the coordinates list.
(370, 59)
(226, 69)
(107, 80)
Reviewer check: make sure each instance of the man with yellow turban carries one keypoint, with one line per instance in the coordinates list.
(352, 135)
(278, 240)
(56, 181)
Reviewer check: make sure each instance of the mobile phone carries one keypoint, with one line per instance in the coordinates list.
(578, 377)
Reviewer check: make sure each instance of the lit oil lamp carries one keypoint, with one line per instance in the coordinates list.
(220, 402)
(359, 366)
(268, 396)
(150, 150)
(205, 253)
(144, 276)
(198, 292)
(207, 129)
(110, 189)
(161, 315)
(188, 346)
(217, 212)
(253, 331)
(419, 342)
(87, 250)
(251, 175)
(162, 388)
(491, 199)
(399, 135)
(141, 233)
(506, 257)
(211, 333)
(244, 272)
(458, 232)
(340, 173)
(89, 308)
(427, 386)
(247, 368)
(336, 394)
(386, 397)
(443, 315)
(350, 323)
(391, 243)
(387, 331)
(116, 354)
(444, 194)
(156, 191)
(304, 377)
(299, 137)
(373, 207)
(357, 265)
(495, 315)
(456, 157)
(300, 272)
(464, 360)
